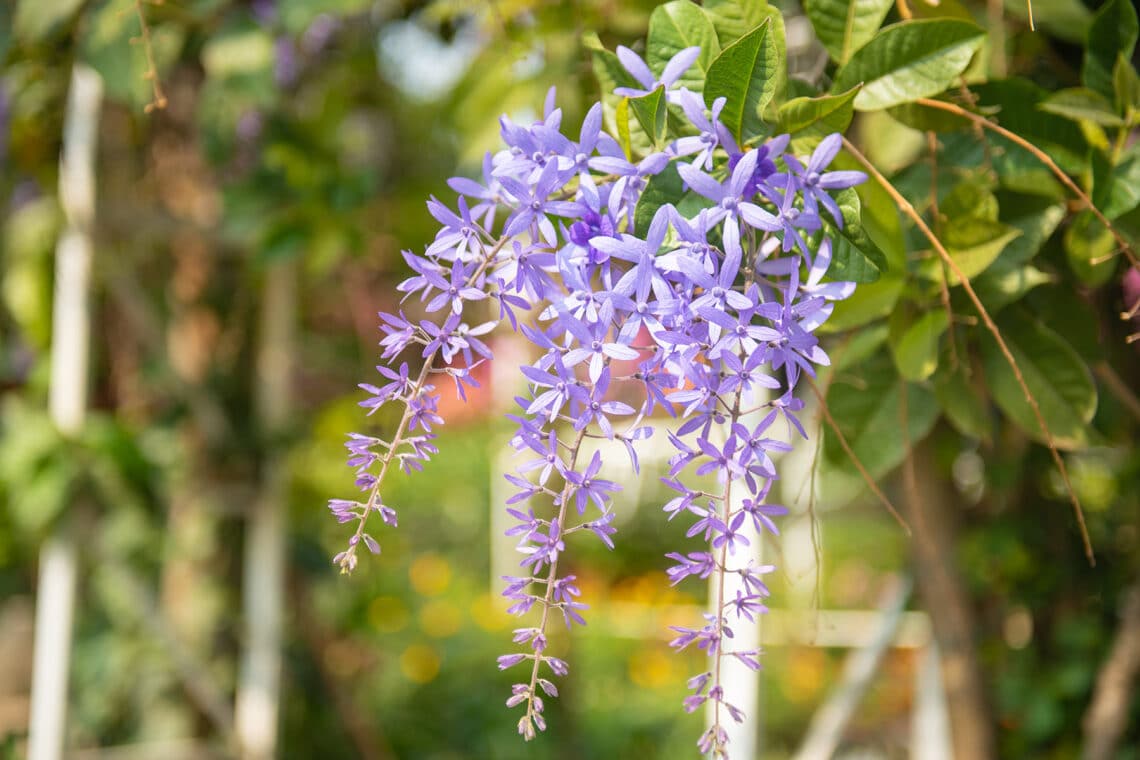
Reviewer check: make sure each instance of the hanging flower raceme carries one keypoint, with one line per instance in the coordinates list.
(694, 314)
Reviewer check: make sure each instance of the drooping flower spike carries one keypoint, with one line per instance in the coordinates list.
(697, 326)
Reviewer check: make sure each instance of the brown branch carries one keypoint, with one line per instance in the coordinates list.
(906, 207)
(1044, 158)
(855, 460)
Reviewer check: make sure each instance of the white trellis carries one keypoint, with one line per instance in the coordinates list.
(70, 333)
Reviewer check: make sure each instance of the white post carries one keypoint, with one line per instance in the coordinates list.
(930, 724)
(263, 580)
(741, 683)
(67, 401)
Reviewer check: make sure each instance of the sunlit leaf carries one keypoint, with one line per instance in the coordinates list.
(744, 74)
(844, 26)
(909, 60)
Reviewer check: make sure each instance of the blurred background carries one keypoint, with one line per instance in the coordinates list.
(243, 238)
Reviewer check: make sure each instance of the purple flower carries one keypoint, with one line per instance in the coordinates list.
(637, 68)
(589, 487)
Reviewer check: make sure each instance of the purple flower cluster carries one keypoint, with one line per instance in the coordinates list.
(707, 315)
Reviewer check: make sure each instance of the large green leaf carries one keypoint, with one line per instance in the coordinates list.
(1113, 32)
(744, 74)
(675, 26)
(809, 119)
(844, 26)
(733, 19)
(1055, 374)
(866, 405)
(914, 340)
(909, 60)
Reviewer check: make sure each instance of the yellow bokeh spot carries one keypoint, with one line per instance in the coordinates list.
(440, 619)
(387, 614)
(430, 574)
(651, 668)
(490, 612)
(420, 663)
(805, 676)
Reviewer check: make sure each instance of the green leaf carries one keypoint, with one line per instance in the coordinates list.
(966, 408)
(1055, 374)
(663, 188)
(926, 119)
(854, 257)
(743, 74)
(1036, 227)
(909, 60)
(1014, 105)
(974, 245)
(1126, 86)
(36, 19)
(650, 112)
(1116, 189)
(914, 342)
(1088, 242)
(969, 200)
(675, 26)
(998, 289)
(867, 409)
(868, 304)
(1064, 19)
(814, 118)
(1113, 33)
(1080, 103)
(621, 116)
(733, 19)
(610, 75)
(844, 26)
(858, 347)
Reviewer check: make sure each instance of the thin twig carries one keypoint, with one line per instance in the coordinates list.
(855, 460)
(936, 218)
(158, 100)
(1044, 158)
(906, 207)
